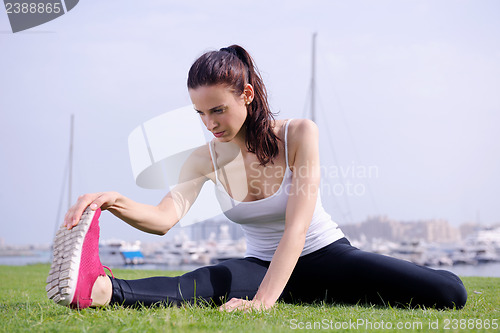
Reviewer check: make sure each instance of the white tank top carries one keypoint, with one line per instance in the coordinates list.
(263, 221)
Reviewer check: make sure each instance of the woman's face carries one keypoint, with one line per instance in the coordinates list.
(222, 112)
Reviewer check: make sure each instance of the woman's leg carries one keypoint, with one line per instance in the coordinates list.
(214, 284)
(338, 273)
(342, 273)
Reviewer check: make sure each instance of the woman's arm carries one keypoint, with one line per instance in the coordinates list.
(148, 218)
(303, 137)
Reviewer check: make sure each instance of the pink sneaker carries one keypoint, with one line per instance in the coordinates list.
(76, 264)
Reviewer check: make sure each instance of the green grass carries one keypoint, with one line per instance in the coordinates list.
(24, 307)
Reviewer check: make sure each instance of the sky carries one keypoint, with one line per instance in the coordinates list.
(408, 101)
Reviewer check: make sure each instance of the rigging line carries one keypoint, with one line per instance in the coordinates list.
(70, 176)
(306, 114)
(336, 204)
(61, 198)
(311, 97)
(347, 216)
(305, 110)
(348, 128)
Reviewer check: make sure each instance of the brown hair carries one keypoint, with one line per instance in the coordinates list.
(234, 67)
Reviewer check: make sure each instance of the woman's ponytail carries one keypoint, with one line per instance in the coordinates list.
(234, 67)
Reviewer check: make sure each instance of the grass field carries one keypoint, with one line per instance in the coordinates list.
(24, 307)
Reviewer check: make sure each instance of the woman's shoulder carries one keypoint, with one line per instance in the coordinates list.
(300, 129)
(302, 134)
(200, 161)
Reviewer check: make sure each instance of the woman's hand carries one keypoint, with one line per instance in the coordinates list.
(101, 200)
(238, 304)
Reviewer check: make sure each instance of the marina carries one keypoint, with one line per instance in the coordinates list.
(484, 270)
(476, 255)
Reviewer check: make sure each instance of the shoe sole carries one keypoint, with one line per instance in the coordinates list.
(67, 250)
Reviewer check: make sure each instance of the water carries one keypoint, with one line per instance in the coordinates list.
(40, 258)
(45, 258)
(486, 270)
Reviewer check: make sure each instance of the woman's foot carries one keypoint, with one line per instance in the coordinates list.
(76, 266)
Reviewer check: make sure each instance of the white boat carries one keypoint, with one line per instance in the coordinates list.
(118, 253)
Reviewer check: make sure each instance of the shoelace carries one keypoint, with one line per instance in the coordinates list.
(109, 269)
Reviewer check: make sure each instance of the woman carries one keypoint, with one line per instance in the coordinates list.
(267, 177)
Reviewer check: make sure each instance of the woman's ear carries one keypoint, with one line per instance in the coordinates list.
(248, 93)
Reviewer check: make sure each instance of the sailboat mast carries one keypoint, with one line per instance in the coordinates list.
(313, 79)
(70, 178)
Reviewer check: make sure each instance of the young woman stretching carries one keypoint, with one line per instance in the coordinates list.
(267, 175)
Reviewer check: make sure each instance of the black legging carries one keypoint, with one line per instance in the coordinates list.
(338, 272)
